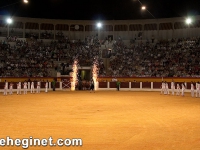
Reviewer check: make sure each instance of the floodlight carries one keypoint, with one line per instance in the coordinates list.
(25, 1)
(9, 20)
(188, 21)
(99, 25)
(143, 8)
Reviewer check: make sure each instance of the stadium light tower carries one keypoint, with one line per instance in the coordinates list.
(188, 21)
(99, 26)
(9, 21)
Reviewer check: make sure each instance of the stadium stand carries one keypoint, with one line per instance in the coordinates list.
(170, 58)
(161, 59)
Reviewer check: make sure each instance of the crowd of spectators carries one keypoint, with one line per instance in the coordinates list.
(31, 35)
(85, 51)
(166, 58)
(11, 39)
(170, 58)
(24, 60)
(46, 35)
(34, 58)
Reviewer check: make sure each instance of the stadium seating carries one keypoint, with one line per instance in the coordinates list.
(164, 58)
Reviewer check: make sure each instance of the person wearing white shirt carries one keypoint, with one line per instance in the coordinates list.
(46, 86)
(11, 88)
(185, 83)
(32, 87)
(183, 89)
(178, 89)
(19, 88)
(166, 88)
(5, 88)
(192, 89)
(162, 88)
(38, 87)
(25, 87)
(172, 87)
(197, 89)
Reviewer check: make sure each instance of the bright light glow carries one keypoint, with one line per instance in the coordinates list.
(25, 1)
(99, 25)
(9, 20)
(143, 7)
(74, 75)
(95, 71)
(188, 21)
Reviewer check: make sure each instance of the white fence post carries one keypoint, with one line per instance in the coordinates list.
(29, 86)
(49, 85)
(108, 85)
(60, 85)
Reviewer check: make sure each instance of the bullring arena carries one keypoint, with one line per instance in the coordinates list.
(71, 54)
(106, 119)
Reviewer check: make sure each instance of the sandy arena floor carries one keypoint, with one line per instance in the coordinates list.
(105, 120)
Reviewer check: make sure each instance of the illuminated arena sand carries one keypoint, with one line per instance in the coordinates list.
(105, 120)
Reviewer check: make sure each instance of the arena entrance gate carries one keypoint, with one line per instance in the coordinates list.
(66, 83)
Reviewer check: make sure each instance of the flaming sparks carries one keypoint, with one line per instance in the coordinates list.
(74, 75)
(95, 72)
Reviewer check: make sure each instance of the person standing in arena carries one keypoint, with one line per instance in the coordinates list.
(118, 85)
(178, 89)
(92, 86)
(192, 89)
(5, 88)
(46, 86)
(166, 88)
(32, 87)
(54, 85)
(172, 87)
(162, 88)
(185, 83)
(25, 87)
(19, 88)
(197, 89)
(38, 87)
(11, 88)
(183, 89)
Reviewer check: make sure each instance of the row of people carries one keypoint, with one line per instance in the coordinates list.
(8, 87)
(179, 88)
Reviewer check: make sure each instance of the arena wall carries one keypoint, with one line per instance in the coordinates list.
(106, 79)
(106, 83)
(148, 79)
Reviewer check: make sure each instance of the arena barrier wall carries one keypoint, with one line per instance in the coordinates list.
(142, 83)
(60, 82)
(127, 84)
(149, 79)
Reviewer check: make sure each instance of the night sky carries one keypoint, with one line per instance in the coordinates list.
(100, 9)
